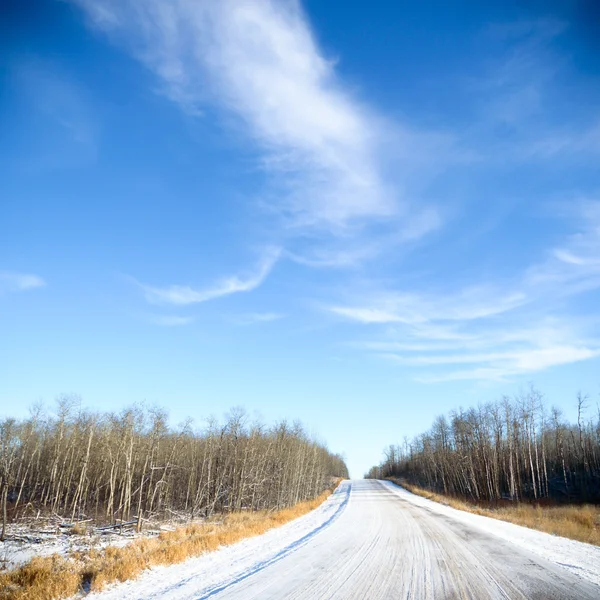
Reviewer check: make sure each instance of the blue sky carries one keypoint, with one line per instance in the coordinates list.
(356, 215)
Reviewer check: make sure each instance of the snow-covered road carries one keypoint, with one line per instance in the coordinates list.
(374, 540)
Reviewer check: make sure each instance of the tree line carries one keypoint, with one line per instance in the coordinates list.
(132, 465)
(513, 448)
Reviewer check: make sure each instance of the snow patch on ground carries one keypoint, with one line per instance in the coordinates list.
(25, 542)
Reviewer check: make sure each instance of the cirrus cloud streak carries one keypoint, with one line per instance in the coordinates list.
(181, 295)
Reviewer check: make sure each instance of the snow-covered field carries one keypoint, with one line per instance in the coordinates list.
(374, 540)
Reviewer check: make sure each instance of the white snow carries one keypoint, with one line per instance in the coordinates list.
(579, 558)
(26, 542)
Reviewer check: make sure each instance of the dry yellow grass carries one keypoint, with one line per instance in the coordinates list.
(579, 522)
(51, 578)
(78, 529)
(40, 579)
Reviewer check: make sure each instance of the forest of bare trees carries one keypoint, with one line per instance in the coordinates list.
(133, 466)
(513, 449)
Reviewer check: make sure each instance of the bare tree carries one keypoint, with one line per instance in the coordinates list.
(507, 449)
(132, 465)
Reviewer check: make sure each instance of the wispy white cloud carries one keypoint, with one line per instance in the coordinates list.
(19, 282)
(496, 331)
(358, 248)
(260, 61)
(183, 294)
(573, 266)
(257, 317)
(333, 257)
(343, 183)
(492, 349)
(470, 304)
(517, 363)
(367, 314)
